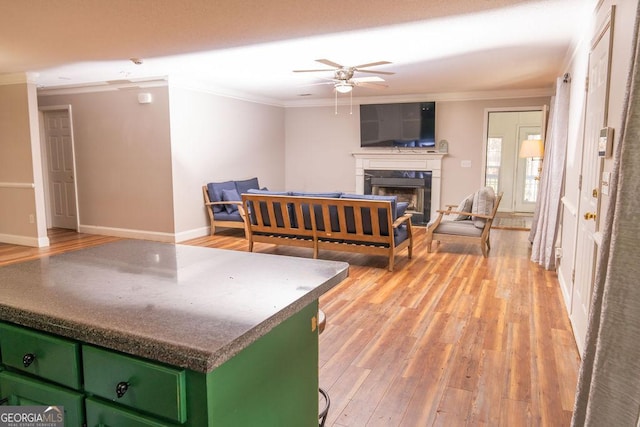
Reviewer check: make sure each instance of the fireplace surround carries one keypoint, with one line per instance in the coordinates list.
(399, 160)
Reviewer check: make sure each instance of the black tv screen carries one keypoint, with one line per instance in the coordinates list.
(410, 124)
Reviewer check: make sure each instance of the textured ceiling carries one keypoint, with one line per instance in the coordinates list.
(251, 46)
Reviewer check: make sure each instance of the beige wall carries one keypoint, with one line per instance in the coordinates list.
(19, 185)
(320, 142)
(219, 139)
(123, 161)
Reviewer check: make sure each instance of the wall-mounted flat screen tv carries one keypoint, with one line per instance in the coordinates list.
(411, 125)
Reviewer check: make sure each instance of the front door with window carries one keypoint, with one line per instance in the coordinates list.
(505, 171)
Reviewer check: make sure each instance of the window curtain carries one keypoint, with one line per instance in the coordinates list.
(608, 391)
(544, 226)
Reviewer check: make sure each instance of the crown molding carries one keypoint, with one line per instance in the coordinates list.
(202, 86)
(104, 86)
(18, 78)
(440, 97)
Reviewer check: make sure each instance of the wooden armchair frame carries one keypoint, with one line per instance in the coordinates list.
(218, 223)
(482, 238)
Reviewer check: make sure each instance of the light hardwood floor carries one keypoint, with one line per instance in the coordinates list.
(446, 339)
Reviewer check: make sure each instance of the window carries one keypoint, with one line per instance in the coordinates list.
(494, 157)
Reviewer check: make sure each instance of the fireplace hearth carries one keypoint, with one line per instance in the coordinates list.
(413, 187)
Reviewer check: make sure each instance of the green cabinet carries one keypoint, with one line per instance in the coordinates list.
(136, 383)
(271, 382)
(46, 356)
(23, 390)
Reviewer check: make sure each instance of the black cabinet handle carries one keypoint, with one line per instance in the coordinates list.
(121, 388)
(28, 359)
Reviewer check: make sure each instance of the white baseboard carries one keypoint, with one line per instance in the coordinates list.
(34, 242)
(127, 233)
(192, 234)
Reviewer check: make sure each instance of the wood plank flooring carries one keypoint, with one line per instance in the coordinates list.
(447, 339)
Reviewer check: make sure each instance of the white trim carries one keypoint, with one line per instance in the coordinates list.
(34, 242)
(570, 207)
(438, 97)
(156, 236)
(192, 234)
(102, 87)
(17, 185)
(18, 78)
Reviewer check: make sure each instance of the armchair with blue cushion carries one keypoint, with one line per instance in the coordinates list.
(223, 202)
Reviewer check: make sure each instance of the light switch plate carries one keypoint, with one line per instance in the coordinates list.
(465, 163)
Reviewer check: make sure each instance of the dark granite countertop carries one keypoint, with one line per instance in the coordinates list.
(187, 306)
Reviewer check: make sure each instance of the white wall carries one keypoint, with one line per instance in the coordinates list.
(624, 20)
(215, 139)
(319, 144)
(21, 185)
(123, 159)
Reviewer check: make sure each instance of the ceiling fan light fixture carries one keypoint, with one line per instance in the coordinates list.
(343, 87)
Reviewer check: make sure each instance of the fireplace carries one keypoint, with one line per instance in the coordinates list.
(413, 187)
(414, 176)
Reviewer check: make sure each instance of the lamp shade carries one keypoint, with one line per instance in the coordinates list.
(343, 87)
(531, 148)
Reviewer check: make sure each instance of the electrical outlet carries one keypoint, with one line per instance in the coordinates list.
(465, 164)
(32, 219)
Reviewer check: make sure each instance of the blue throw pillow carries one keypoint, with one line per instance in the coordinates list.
(231, 196)
(401, 208)
(246, 185)
(215, 192)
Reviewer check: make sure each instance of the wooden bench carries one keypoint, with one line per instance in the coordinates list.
(351, 225)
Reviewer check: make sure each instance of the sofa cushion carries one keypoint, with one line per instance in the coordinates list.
(263, 207)
(366, 215)
(483, 201)
(223, 215)
(459, 228)
(246, 185)
(465, 206)
(215, 193)
(333, 211)
(401, 208)
(231, 196)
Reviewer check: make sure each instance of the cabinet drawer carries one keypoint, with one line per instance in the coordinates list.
(22, 390)
(102, 414)
(140, 384)
(46, 356)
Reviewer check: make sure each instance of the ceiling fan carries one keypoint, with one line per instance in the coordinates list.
(343, 80)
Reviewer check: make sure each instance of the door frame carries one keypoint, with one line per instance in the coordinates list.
(45, 160)
(485, 134)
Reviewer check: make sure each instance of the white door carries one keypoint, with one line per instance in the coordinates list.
(588, 209)
(60, 169)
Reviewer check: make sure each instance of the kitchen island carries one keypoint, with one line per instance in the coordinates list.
(142, 333)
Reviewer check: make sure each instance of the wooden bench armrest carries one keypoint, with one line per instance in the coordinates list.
(466, 213)
(449, 212)
(404, 218)
(231, 202)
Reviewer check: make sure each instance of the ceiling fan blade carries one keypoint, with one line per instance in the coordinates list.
(372, 64)
(329, 63)
(367, 79)
(313, 71)
(376, 72)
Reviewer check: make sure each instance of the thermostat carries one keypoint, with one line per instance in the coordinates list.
(605, 142)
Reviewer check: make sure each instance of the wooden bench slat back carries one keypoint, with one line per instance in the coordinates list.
(346, 208)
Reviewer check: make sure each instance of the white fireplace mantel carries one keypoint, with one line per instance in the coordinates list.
(402, 160)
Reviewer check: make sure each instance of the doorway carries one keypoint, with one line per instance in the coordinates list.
(518, 178)
(59, 168)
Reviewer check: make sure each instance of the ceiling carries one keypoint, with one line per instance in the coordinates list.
(250, 47)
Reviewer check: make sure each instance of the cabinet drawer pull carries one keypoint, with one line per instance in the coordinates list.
(28, 359)
(121, 388)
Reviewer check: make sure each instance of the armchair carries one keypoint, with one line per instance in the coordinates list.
(472, 221)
